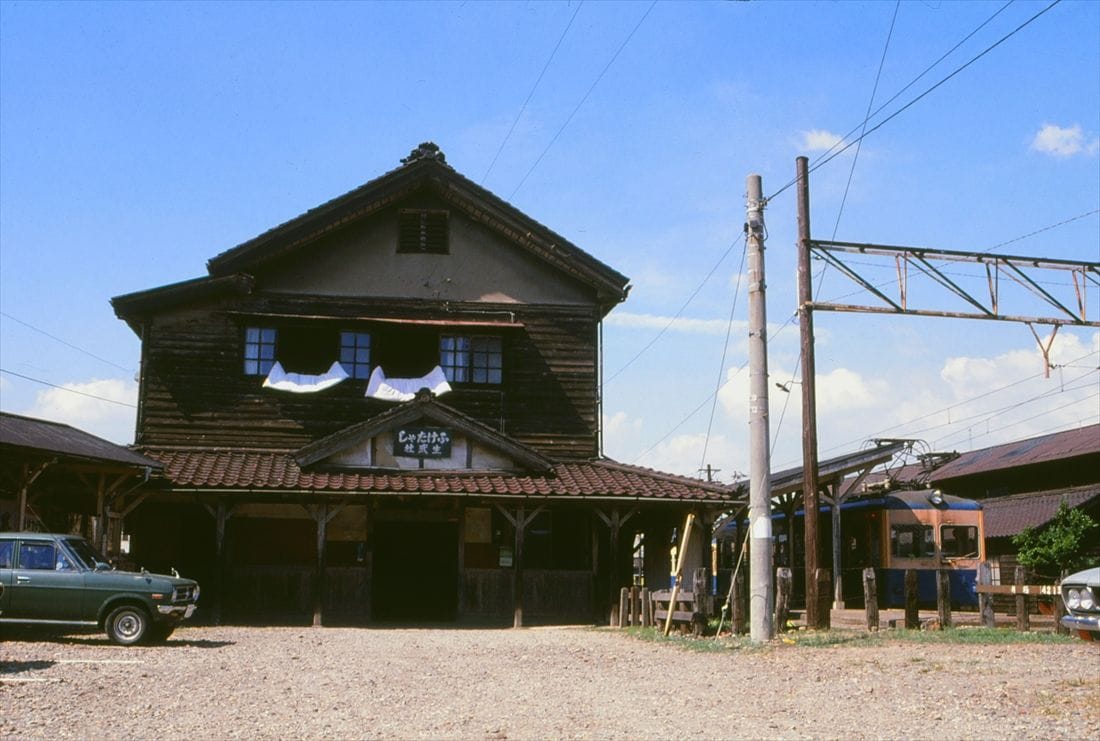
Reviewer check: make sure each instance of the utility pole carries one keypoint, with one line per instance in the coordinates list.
(809, 395)
(761, 627)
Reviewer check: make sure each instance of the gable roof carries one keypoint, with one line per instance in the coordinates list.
(424, 168)
(424, 406)
(42, 438)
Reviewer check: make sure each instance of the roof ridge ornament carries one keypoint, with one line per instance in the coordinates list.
(426, 151)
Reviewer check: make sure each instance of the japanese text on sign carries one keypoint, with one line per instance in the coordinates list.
(422, 442)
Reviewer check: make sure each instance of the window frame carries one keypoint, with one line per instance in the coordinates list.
(971, 538)
(476, 360)
(921, 543)
(356, 368)
(257, 339)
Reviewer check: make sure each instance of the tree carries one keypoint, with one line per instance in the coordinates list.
(1058, 547)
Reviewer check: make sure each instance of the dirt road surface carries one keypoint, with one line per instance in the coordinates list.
(233, 682)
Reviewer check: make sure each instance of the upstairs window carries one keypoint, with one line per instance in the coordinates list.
(422, 231)
(471, 359)
(259, 350)
(355, 353)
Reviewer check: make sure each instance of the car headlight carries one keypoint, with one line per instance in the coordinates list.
(1086, 599)
(1073, 599)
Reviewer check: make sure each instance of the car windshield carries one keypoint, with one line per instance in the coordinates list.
(85, 553)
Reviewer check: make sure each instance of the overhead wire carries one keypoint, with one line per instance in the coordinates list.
(530, 94)
(821, 162)
(55, 338)
(69, 390)
(584, 98)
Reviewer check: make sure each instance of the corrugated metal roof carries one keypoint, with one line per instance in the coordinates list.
(1053, 447)
(1007, 516)
(39, 435)
(274, 472)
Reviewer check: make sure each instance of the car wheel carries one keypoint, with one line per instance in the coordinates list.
(127, 625)
(159, 633)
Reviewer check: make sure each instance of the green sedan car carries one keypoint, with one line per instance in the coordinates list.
(50, 579)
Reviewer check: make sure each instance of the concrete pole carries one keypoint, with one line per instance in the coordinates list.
(761, 600)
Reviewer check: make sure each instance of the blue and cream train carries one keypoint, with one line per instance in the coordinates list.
(926, 531)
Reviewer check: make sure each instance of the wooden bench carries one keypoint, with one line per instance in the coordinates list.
(687, 611)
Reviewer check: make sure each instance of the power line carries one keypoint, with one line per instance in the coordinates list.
(64, 342)
(826, 160)
(71, 391)
(530, 94)
(583, 99)
(866, 117)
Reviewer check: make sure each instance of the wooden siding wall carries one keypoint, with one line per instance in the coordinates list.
(194, 391)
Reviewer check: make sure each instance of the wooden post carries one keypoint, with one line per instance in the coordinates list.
(943, 598)
(613, 571)
(912, 614)
(220, 518)
(635, 607)
(520, 525)
(680, 556)
(1023, 619)
(809, 396)
(320, 516)
(740, 609)
(870, 599)
(782, 598)
(700, 591)
(985, 601)
(647, 609)
(824, 599)
(623, 618)
(1059, 613)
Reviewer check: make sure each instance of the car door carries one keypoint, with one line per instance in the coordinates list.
(46, 584)
(7, 560)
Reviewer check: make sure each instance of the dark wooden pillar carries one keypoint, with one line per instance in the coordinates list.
(517, 570)
(221, 515)
(320, 516)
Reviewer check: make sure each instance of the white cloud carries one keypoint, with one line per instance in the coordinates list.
(679, 324)
(106, 416)
(620, 424)
(818, 140)
(1064, 141)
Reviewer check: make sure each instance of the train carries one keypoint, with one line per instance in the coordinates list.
(924, 530)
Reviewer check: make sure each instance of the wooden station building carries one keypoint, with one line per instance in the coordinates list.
(388, 408)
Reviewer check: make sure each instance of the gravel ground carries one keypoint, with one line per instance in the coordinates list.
(234, 682)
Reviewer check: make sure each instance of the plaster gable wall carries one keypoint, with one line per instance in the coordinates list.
(361, 260)
(378, 452)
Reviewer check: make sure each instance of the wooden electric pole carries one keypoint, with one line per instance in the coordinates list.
(761, 600)
(809, 396)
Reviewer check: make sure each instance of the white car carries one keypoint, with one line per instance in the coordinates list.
(1081, 593)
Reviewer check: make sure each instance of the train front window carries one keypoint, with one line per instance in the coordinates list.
(912, 541)
(959, 541)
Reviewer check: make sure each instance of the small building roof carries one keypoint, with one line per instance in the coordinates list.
(1057, 446)
(1010, 515)
(42, 438)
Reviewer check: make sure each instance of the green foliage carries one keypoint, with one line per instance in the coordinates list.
(1057, 547)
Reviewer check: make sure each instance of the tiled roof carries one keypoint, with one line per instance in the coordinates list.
(1005, 516)
(54, 439)
(276, 471)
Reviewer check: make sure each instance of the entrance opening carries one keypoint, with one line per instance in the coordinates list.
(415, 571)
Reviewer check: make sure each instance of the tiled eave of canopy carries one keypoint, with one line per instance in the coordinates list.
(276, 472)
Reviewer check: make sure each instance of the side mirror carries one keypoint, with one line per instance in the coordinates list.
(100, 566)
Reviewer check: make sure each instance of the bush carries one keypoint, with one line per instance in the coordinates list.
(1059, 546)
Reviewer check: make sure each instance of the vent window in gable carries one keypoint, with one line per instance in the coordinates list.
(471, 359)
(423, 231)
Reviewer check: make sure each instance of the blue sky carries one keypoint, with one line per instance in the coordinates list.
(138, 140)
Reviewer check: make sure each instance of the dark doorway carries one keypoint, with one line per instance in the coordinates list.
(415, 572)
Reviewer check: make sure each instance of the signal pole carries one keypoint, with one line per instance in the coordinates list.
(761, 627)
